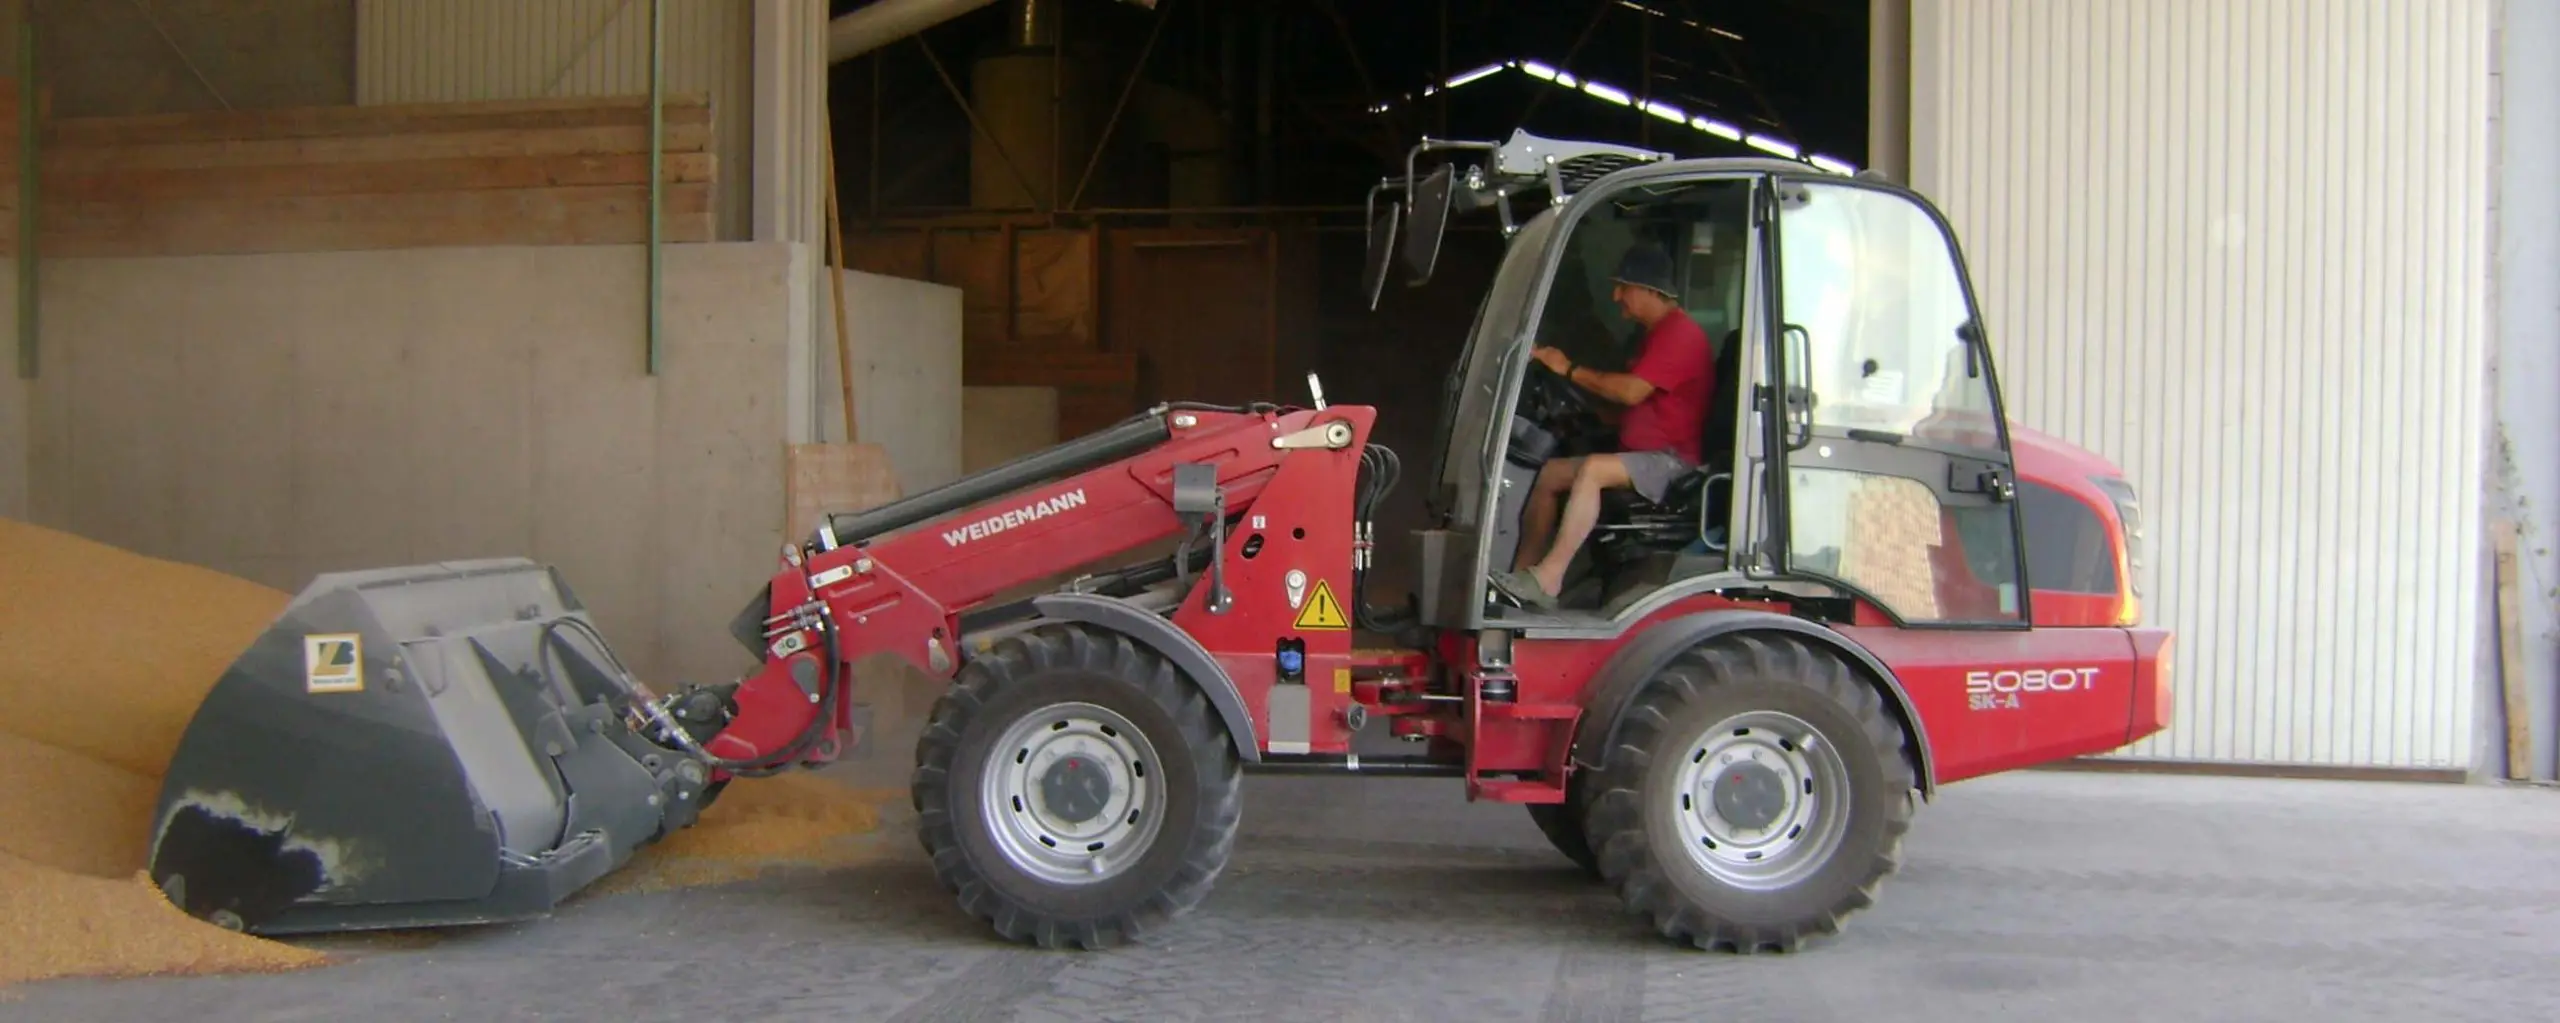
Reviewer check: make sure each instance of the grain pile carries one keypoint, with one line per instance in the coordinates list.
(104, 655)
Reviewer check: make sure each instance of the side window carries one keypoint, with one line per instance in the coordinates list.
(1579, 317)
(1872, 281)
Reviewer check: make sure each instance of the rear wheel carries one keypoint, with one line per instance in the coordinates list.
(1757, 796)
(1073, 789)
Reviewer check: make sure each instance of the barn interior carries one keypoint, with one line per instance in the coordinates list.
(1147, 201)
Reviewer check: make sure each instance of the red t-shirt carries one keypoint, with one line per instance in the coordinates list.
(1679, 364)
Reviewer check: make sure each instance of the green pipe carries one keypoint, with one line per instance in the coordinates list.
(27, 181)
(657, 162)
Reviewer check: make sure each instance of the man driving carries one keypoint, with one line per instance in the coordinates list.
(1664, 395)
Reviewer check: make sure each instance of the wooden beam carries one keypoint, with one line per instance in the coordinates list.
(587, 215)
(383, 119)
(508, 172)
(375, 148)
(453, 174)
(2502, 539)
(1029, 366)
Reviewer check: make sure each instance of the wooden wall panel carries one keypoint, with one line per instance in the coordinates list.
(520, 172)
(1197, 307)
(1119, 318)
(1053, 288)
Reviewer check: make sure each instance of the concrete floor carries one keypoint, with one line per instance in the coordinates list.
(2035, 896)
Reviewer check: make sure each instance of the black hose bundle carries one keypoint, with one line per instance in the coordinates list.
(1380, 469)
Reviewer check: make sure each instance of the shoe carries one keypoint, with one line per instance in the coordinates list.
(1524, 588)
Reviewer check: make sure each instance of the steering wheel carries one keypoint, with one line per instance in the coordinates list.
(1553, 396)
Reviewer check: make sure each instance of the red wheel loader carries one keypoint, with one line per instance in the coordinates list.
(1874, 586)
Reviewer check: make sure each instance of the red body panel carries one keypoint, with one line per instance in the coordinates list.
(2048, 460)
(1303, 521)
(1987, 700)
(1993, 701)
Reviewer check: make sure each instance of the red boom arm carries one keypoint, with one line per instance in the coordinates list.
(903, 593)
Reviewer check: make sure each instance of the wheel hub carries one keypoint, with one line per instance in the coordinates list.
(1075, 789)
(1751, 795)
(1072, 793)
(1762, 799)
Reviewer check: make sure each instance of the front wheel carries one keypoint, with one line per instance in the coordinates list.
(1757, 797)
(1073, 789)
(1562, 824)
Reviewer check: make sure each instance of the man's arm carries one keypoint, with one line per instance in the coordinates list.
(1625, 389)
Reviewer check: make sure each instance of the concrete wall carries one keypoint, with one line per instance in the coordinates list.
(279, 416)
(2526, 456)
(905, 337)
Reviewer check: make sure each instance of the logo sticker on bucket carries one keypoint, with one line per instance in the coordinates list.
(333, 663)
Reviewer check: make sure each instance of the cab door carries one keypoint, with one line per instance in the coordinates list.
(1888, 462)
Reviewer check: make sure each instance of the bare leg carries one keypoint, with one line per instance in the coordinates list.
(1581, 512)
(1546, 496)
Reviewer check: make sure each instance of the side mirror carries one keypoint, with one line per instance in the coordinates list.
(1431, 198)
(1382, 248)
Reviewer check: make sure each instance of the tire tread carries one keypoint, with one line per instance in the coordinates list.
(1201, 736)
(1615, 824)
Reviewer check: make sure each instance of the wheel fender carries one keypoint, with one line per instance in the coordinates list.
(1626, 674)
(1172, 644)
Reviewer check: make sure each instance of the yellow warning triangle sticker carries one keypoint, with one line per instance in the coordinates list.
(1322, 612)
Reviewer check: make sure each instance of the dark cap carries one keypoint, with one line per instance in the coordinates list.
(1646, 266)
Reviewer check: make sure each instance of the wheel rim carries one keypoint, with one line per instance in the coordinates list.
(1762, 800)
(1073, 794)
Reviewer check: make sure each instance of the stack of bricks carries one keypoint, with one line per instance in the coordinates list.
(1894, 528)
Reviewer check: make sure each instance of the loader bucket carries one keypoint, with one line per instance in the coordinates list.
(406, 747)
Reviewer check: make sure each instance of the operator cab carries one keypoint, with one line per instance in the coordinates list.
(1638, 545)
(1853, 423)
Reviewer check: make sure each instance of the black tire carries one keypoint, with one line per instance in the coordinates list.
(1032, 673)
(1640, 822)
(1562, 823)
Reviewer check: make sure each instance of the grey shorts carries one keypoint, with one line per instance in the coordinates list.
(1653, 471)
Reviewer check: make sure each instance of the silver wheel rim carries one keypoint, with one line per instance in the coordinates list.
(1762, 800)
(1073, 794)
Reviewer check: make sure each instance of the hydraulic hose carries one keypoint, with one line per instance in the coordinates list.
(1380, 469)
(647, 704)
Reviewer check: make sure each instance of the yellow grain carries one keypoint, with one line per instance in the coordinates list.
(758, 824)
(66, 811)
(104, 655)
(58, 924)
(105, 652)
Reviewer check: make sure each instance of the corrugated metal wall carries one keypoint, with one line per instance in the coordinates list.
(410, 51)
(2240, 246)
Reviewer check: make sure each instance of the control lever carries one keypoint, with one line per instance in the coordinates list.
(1315, 389)
(1197, 495)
